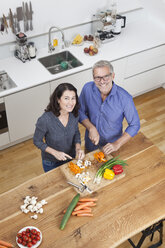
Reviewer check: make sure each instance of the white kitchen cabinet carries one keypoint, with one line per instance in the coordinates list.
(119, 70)
(145, 61)
(77, 79)
(146, 81)
(24, 108)
(4, 139)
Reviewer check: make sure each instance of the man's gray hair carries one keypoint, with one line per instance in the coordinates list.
(103, 63)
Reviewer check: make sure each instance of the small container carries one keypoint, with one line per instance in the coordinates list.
(32, 50)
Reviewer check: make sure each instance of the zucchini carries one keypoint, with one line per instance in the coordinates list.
(69, 211)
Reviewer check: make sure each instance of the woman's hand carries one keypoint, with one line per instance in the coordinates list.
(62, 156)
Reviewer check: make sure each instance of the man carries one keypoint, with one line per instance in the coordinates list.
(103, 106)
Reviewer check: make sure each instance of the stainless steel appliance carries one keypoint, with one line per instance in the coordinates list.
(3, 119)
(106, 24)
(6, 82)
(119, 24)
(22, 51)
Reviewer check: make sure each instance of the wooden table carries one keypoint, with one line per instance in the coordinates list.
(124, 208)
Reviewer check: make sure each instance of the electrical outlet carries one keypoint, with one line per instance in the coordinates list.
(12, 48)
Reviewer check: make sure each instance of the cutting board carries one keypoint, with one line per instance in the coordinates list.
(92, 169)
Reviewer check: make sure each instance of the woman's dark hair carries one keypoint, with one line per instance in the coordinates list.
(56, 95)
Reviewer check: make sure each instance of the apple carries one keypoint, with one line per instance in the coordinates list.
(86, 50)
(91, 48)
(91, 53)
(95, 50)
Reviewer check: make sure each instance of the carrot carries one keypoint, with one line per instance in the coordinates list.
(81, 211)
(7, 244)
(2, 246)
(88, 199)
(85, 205)
(85, 214)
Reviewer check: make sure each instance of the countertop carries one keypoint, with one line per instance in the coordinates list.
(124, 208)
(136, 37)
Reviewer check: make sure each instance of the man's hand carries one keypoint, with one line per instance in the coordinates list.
(80, 154)
(94, 135)
(110, 147)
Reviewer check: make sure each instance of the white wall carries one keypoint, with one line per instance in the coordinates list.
(62, 13)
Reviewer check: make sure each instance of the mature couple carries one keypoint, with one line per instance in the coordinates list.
(101, 108)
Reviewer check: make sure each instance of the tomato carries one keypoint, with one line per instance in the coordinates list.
(19, 240)
(25, 238)
(37, 237)
(28, 230)
(34, 241)
(34, 231)
(23, 233)
(38, 233)
(29, 244)
(33, 236)
(28, 234)
(19, 235)
(24, 243)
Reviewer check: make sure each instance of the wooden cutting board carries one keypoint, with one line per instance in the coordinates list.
(92, 169)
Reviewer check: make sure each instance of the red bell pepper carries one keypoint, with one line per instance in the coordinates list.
(118, 169)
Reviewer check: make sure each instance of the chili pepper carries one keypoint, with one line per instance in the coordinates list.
(109, 174)
(118, 169)
(75, 168)
(100, 156)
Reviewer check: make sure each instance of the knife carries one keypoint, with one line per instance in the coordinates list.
(24, 16)
(11, 21)
(19, 17)
(27, 16)
(5, 23)
(30, 16)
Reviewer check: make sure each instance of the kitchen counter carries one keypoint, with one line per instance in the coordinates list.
(124, 208)
(136, 37)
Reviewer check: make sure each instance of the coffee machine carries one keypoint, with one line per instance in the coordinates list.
(22, 51)
(105, 25)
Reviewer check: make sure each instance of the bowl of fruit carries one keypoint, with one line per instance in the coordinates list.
(91, 50)
(29, 236)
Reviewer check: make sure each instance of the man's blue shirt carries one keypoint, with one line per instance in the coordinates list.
(108, 116)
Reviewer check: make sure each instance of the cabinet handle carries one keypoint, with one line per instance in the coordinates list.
(0, 116)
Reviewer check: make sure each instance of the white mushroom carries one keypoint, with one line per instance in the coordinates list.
(34, 216)
(41, 210)
(43, 202)
(34, 209)
(39, 205)
(25, 210)
(22, 207)
(33, 202)
(30, 207)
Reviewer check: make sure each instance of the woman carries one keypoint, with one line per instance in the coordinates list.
(57, 133)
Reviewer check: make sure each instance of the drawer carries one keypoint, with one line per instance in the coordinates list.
(146, 81)
(4, 139)
(144, 61)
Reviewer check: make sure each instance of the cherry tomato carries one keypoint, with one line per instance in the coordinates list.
(37, 237)
(19, 240)
(33, 231)
(38, 233)
(29, 239)
(33, 236)
(28, 234)
(24, 243)
(19, 235)
(34, 241)
(29, 244)
(28, 230)
(25, 238)
(23, 233)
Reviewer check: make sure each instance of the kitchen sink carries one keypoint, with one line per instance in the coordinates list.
(60, 62)
(6, 82)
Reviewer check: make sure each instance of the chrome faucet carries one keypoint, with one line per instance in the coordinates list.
(50, 46)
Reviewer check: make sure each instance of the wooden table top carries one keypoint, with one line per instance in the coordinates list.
(124, 208)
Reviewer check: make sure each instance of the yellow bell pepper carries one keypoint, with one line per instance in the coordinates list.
(109, 174)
